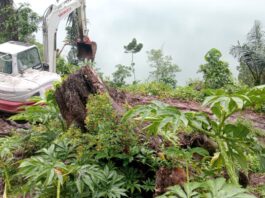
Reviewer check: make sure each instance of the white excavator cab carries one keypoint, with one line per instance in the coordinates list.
(22, 75)
(16, 57)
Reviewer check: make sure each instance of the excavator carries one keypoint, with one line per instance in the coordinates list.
(23, 75)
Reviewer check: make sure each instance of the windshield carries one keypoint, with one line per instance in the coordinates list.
(5, 63)
(28, 59)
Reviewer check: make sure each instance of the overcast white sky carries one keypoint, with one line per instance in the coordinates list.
(185, 29)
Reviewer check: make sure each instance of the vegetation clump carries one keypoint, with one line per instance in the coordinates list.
(216, 73)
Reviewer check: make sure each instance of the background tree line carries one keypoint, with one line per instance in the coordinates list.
(216, 73)
(19, 24)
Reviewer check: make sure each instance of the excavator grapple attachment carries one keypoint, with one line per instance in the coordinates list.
(86, 49)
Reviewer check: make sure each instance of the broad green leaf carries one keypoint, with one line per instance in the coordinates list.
(239, 102)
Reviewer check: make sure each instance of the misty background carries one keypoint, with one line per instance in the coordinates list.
(184, 29)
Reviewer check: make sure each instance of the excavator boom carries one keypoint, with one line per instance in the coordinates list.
(51, 19)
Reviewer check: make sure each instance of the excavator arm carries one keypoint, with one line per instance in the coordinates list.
(51, 19)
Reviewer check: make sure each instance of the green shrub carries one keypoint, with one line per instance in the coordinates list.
(153, 89)
(162, 90)
(214, 188)
(187, 93)
(216, 73)
(64, 68)
(234, 141)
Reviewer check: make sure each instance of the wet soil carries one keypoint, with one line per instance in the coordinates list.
(258, 119)
(7, 126)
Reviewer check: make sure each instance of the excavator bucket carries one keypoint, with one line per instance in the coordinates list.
(86, 49)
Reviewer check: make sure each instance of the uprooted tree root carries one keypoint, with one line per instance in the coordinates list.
(74, 92)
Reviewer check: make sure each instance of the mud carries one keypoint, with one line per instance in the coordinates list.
(258, 119)
(256, 179)
(7, 126)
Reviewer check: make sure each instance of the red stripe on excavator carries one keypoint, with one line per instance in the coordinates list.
(13, 107)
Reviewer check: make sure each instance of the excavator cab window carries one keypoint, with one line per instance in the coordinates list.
(5, 63)
(29, 59)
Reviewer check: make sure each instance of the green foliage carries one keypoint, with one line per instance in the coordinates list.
(164, 70)
(100, 114)
(234, 141)
(114, 141)
(110, 186)
(188, 93)
(152, 88)
(72, 28)
(258, 94)
(258, 190)
(164, 119)
(214, 188)
(251, 56)
(115, 158)
(184, 157)
(57, 165)
(4, 3)
(244, 75)
(7, 159)
(65, 68)
(17, 24)
(72, 35)
(133, 47)
(189, 190)
(196, 84)
(44, 111)
(216, 73)
(120, 75)
(163, 90)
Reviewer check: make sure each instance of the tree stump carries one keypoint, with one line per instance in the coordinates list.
(74, 92)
